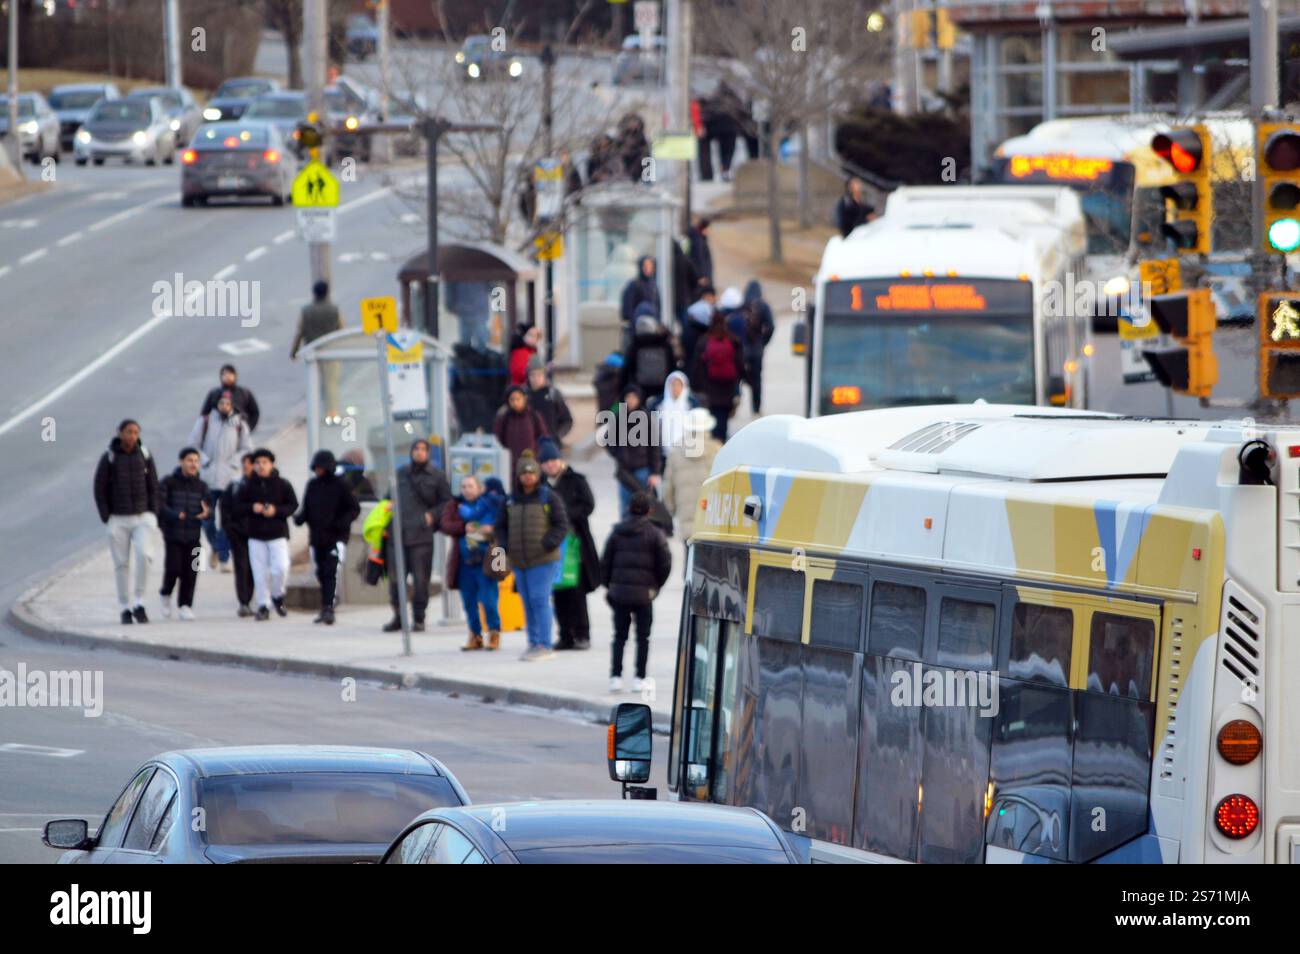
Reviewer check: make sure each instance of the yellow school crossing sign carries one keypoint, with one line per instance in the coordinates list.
(315, 186)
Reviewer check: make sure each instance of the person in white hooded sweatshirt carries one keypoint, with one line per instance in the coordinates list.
(222, 437)
(671, 409)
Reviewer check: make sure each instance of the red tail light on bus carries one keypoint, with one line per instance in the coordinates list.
(1236, 816)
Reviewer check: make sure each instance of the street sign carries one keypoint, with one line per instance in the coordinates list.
(548, 178)
(674, 146)
(316, 224)
(315, 186)
(645, 14)
(408, 395)
(1162, 275)
(379, 313)
(550, 246)
(1139, 329)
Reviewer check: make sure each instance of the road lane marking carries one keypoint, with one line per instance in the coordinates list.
(69, 239)
(33, 256)
(283, 237)
(84, 373)
(126, 214)
(5, 270)
(22, 748)
(255, 254)
(18, 223)
(245, 346)
(224, 273)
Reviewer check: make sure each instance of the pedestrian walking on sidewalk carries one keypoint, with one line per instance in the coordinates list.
(689, 463)
(265, 502)
(579, 502)
(236, 528)
(633, 442)
(670, 410)
(517, 426)
(328, 509)
(422, 493)
(757, 332)
(545, 398)
(468, 521)
(185, 505)
(718, 367)
(126, 493)
(523, 347)
(318, 318)
(532, 524)
(245, 403)
(649, 358)
(221, 437)
(634, 567)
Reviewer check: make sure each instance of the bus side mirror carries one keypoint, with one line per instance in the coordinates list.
(630, 744)
(799, 338)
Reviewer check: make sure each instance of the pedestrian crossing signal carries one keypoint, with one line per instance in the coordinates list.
(1278, 319)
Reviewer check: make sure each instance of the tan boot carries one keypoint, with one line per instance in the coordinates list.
(475, 642)
(494, 639)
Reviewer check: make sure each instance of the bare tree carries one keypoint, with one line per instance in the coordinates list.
(286, 16)
(795, 61)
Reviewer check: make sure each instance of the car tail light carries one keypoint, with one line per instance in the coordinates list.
(1240, 742)
(271, 156)
(189, 157)
(231, 142)
(1237, 816)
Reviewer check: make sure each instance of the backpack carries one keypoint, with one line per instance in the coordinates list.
(720, 360)
(651, 367)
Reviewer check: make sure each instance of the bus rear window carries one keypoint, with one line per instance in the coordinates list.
(1120, 655)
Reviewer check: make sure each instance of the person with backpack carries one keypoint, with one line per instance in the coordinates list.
(127, 496)
(698, 318)
(758, 330)
(546, 399)
(265, 503)
(328, 509)
(236, 529)
(183, 507)
(467, 521)
(579, 502)
(532, 525)
(517, 426)
(649, 358)
(221, 437)
(719, 365)
(634, 567)
(245, 403)
(633, 442)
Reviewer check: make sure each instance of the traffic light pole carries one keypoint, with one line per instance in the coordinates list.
(548, 86)
(1263, 97)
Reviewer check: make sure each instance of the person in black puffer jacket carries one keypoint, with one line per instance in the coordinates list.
(126, 494)
(634, 567)
(632, 439)
(236, 529)
(265, 503)
(184, 506)
(328, 509)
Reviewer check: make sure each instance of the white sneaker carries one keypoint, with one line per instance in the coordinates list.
(185, 613)
(615, 684)
(637, 684)
(165, 602)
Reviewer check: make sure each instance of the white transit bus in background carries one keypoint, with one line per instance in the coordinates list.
(981, 633)
(954, 294)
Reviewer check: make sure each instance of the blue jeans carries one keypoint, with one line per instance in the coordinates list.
(534, 587)
(216, 537)
(477, 590)
(642, 474)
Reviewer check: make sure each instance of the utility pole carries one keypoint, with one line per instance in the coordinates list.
(1263, 98)
(14, 147)
(398, 551)
(548, 147)
(904, 60)
(314, 26)
(384, 50)
(171, 43)
(680, 14)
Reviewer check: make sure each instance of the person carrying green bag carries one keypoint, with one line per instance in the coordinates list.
(579, 572)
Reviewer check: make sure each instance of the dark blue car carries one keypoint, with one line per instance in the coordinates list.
(262, 803)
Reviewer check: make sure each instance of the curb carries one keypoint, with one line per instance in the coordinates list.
(30, 623)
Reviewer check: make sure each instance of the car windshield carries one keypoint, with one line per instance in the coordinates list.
(25, 107)
(122, 111)
(277, 109)
(317, 807)
(76, 99)
(168, 98)
(336, 102)
(243, 88)
(229, 136)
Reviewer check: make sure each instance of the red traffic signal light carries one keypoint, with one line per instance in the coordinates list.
(1181, 148)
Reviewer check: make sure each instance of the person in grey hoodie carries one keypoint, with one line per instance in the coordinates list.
(222, 437)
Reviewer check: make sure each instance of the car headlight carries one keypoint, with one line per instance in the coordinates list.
(516, 68)
(29, 127)
(212, 114)
(83, 136)
(1115, 287)
(351, 123)
(473, 70)
(176, 125)
(139, 137)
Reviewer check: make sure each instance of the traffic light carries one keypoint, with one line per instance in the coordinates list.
(918, 29)
(1279, 345)
(308, 134)
(1188, 317)
(1279, 152)
(1189, 203)
(945, 30)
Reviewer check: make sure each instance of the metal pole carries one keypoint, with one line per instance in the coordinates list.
(433, 129)
(548, 146)
(15, 148)
(381, 146)
(314, 25)
(171, 43)
(1263, 97)
(678, 23)
(399, 554)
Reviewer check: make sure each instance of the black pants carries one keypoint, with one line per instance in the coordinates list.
(243, 570)
(721, 413)
(726, 150)
(755, 379)
(178, 567)
(571, 614)
(327, 573)
(704, 153)
(623, 614)
(419, 568)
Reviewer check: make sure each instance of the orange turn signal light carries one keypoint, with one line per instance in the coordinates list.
(1240, 742)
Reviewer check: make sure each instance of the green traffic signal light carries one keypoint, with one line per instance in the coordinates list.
(1284, 234)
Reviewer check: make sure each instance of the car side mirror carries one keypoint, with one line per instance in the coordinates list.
(67, 833)
(630, 743)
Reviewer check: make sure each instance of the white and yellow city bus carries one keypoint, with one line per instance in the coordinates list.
(945, 298)
(987, 633)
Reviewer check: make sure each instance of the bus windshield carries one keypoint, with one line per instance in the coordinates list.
(893, 342)
(1105, 190)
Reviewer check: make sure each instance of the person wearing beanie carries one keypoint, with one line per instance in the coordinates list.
(265, 503)
(532, 525)
(328, 509)
(183, 499)
(245, 404)
(579, 502)
(634, 567)
(649, 358)
(423, 491)
(517, 426)
(546, 399)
